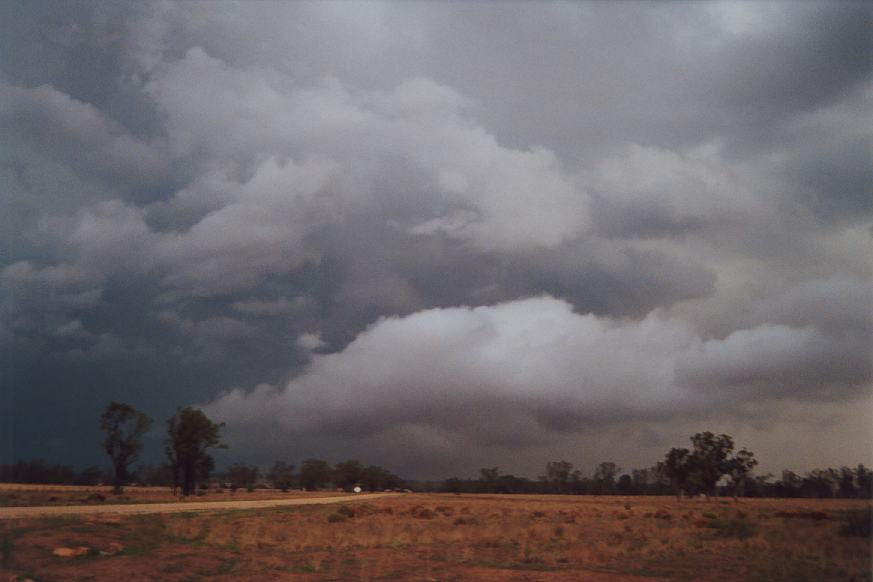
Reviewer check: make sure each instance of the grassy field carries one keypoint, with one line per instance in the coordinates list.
(457, 537)
(14, 495)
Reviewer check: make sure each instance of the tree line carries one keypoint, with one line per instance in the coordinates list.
(709, 467)
(190, 436)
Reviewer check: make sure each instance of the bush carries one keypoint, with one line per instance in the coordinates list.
(734, 528)
(336, 518)
(858, 523)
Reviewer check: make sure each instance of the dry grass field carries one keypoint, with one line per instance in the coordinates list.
(14, 495)
(455, 537)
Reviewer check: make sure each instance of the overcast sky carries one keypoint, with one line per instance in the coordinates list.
(440, 236)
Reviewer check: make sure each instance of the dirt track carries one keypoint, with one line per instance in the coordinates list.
(141, 508)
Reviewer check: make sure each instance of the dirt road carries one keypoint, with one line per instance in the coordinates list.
(141, 508)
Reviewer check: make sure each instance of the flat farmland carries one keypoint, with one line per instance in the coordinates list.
(20, 495)
(454, 537)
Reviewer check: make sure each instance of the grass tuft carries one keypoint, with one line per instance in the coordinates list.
(734, 528)
(858, 523)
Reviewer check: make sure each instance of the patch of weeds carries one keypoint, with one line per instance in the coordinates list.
(538, 514)
(225, 567)
(140, 550)
(195, 540)
(734, 528)
(645, 571)
(143, 540)
(467, 521)
(186, 515)
(301, 569)
(336, 518)
(813, 515)
(6, 547)
(346, 511)
(423, 513)
(56, 521)
(530, 563)
(709, 515)
(858, 523)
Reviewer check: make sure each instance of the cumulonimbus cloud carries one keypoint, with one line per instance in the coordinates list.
(478, 371)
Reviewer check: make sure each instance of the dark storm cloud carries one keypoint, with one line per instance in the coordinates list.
(466, 227)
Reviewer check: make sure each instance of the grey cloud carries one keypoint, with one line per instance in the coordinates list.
(79, 134)
(485, 373)
(281, 306)
(187, 181)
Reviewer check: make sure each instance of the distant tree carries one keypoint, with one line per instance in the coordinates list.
(700, 469)
(789, 484)
(511, 484)
(847, 487)
(124, 427)
(242, 475)
(156, 474)
(374, 478)
(348, 474)
(740, 469)
(625, 485)
(190, 435)
(709, 460)
(282, 475)
(91, 476)
(822, 483)
(864, 477)
(488, 479)
(453, 485)
(604, 477)
(676, 467)
(315, 474)
(558, 476)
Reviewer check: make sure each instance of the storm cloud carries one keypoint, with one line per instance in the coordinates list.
(458, 232)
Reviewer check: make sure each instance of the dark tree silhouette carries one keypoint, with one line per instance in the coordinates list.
(315, 474)
(348, 474)
(709, 460)
(700, 469)
(124, 427)
(676, 467)
(604, 477)
(282, 475)
(739, 470)
(190, 434)
(242, 475)
(559, 475)
(489, 478)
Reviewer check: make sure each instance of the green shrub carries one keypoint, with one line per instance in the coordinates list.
(336, 518)
(466, 521)
(734, 528)
(858, 523)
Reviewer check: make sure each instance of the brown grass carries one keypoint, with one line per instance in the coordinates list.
(21, 495)
(460, 537)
